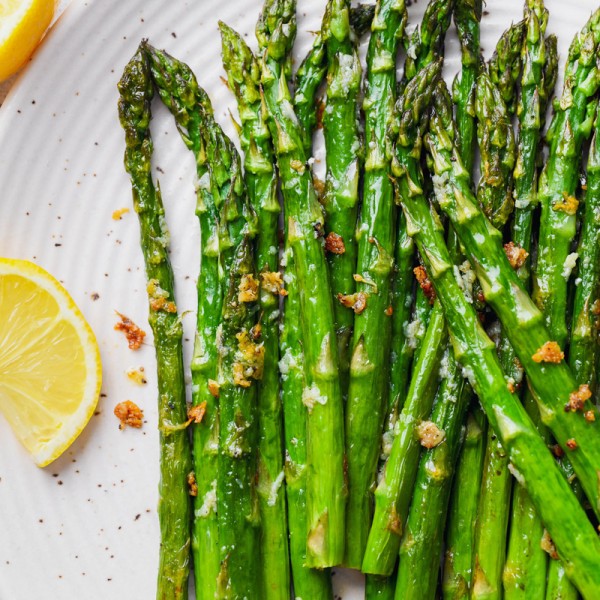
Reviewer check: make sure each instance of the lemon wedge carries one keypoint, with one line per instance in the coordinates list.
(22, 26)
(50, 369)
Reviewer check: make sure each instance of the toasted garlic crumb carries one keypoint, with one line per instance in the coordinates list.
(589, 416)
(578, 397)
(571, 444)
(430, 435)
(357, 302)
(248, 289)
(568, 204)
(214, 388)
(548, 546)
(249, 360)
(158, 297)
(425, 283)
(515, 254)
(135, 336)
(272, 282)
(196, 413)
(191, 480)
(129, 413)
(334, 243)
(550, 352)
(298, 165)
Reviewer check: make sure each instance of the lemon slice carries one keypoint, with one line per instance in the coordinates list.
(50, 369)
(22, 25)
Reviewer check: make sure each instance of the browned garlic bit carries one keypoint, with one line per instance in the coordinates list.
(129, 413)
(357, 302)
(515, 254)
(550, 352)
(334, 243)
(135, 336)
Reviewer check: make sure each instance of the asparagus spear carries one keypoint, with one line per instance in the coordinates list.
(467, 15)
(423, 536)
(498, 153)
(372, 327)
(584, 347)
(308, 583)
(304, 217)
(458, 557)
(308, 79)
(312, 69)
(551, 380)
(497, 147)
(427, 41)
(343, 150)
(571, 126)
(426, 44)
(392, 495)
(505, 65)
(240, 362)
(261, 181)
(525, 568)
(531, 460)
(192, 110)
(380, 588)
(174, 507)
(584, 344)
(466, 487)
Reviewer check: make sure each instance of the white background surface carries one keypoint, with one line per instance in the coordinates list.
(86, 527)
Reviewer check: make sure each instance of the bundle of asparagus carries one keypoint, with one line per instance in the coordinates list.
(399, 360)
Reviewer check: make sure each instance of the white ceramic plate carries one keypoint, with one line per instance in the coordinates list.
(86, 526)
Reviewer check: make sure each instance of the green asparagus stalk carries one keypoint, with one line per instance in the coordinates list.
(221, 222)
(550, 378)
(312, 70)
(261, 181)
(308, 583)
(498, 154)
(497, 148)
(427, 41)
(467, 16)
(408, 330)
(372, 327)
(380, 588)
(423, 537)
(304, 217)
(392, 495)
(402, 346)
(460, 548)
(426, 45)
(571, 126)
(174, 507)
(505, 65)
(525, 568)
(465, 494)
(531, 460)
(584, 347)
(240, 361)
(343, 157)
(492, 521)
(584, 343)
(307, 80)
(394, 491)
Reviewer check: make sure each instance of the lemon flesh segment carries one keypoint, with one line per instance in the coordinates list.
(50, 368)
(22, 26)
